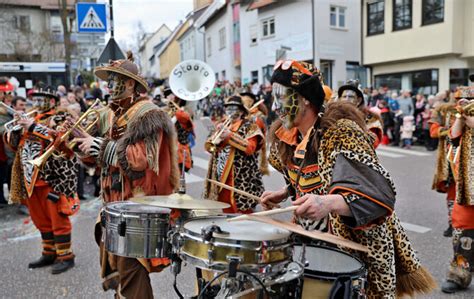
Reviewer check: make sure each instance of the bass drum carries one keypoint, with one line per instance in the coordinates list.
(330, 273)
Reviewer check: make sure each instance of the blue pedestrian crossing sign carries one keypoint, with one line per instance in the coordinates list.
(91, 17)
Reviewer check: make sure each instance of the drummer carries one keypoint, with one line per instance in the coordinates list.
(334, 175)
(136, 156)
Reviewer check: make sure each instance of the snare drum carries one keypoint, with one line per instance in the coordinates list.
(324, 265)
(136, 230)
(259, 247)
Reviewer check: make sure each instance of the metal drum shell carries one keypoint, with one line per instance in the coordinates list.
(136, 230)
(263, 257)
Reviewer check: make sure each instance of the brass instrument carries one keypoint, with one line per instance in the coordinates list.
(467, 109)
(39, 162)
(12, 125)
(213, 141)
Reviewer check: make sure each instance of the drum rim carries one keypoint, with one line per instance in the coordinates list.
(109, 209)
(332, 275)
(229, 242)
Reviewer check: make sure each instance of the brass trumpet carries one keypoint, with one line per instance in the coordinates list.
(466, 109)
(41, 160)
(213, 141)
(13, 126)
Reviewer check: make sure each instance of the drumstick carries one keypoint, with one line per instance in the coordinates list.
(254, 197)
(258, 199)
(265, 213)
(314, 234)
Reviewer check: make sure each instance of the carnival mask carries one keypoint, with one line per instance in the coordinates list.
(350, 96)
(41, 103)
(285, 104)
(233, 111)
(116, 86)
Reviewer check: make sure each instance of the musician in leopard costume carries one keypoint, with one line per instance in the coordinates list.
(234, 159)
(461, 135)
(50, 190)
(334, 175)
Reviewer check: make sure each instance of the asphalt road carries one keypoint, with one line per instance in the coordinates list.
(422, 211)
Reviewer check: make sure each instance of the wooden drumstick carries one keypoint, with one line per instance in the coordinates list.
(314, 234)
(258, 199)
(265, 213)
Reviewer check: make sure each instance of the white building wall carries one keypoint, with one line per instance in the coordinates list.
(220, 59)
(292, 29)
(336, 44)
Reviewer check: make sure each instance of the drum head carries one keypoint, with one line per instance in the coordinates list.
(134, 208)
(325, 262)
(240, 230)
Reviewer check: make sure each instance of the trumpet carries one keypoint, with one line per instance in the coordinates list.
(13, 126)
(213, 141)
(41, 160)
(467, 109)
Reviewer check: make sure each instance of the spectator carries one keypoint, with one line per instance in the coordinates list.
(407, 131)
(19, 104)
(79, 94)
(406, 104)
(63, 102)
(62, 91)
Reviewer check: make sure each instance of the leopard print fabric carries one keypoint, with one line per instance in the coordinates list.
(245, 168)
(390, 252)
(61, 174)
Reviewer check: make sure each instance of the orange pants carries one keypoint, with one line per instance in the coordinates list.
(45, 214)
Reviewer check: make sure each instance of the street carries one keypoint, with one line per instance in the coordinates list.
(422, 211)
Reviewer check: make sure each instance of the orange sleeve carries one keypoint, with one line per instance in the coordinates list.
(136, 156)
(184, 119)
(434, 130)
(248, 146)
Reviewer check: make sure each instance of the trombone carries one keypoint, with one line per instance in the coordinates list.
(213, 141)
(41, 160)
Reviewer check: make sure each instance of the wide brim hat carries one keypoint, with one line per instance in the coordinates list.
(236, 101)
(464, 92)
(124, 67)
(350, 85)
(45, 92)
(301, 76)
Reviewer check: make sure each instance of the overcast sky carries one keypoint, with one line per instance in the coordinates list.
(152, 14)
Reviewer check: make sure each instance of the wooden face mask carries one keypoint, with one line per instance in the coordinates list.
(285, 104)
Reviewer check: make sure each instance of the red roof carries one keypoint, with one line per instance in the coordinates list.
(260, 3)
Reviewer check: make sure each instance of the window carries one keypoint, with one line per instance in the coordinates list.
(268, 27)
(432, 11)
(152, 60)
(337, 17)
(222, 38)
(209, 46)
(356, 71)
(254, 75)
(267, 72)
(402, 10)
(423, 81)
(375, 17)
(253, 35)
(21, 23)
(223, 75)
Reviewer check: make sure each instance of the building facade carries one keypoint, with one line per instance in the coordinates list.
(245, 38)
(421, 45)
(169, 54)
(32, 42)
(191, 42)
(149, 61)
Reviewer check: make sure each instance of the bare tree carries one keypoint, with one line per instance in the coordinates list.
(67, 28)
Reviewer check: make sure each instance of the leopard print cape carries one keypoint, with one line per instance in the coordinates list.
(465, 164)
(244, 168)
(391, 256)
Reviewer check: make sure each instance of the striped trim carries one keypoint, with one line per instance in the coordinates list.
(238, 142)
(110, 156)
(95, 147)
